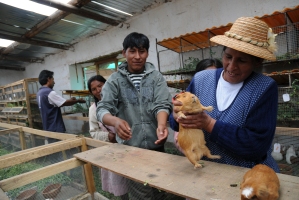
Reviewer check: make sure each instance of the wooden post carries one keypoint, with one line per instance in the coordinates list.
(25, 86)
(22, 139)
(88, 173)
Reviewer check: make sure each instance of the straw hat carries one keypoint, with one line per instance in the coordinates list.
(251, 36)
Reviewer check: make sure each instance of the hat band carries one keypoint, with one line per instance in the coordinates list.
(248, 40)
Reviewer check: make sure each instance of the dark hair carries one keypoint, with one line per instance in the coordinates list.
(256, 59)
(205, 63)
(44, 75)
(137, 40)
(95, 78)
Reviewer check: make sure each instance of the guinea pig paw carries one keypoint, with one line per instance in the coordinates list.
(197, 165)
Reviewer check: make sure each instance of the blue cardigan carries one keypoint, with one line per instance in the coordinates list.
(243, 133)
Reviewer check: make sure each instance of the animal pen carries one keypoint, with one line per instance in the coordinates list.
(69, 169)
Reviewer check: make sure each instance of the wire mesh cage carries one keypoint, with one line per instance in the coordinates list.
(287, 41)
(288, 105)
(60, 186)
(287, 140)
(20, 96)
(41, 169)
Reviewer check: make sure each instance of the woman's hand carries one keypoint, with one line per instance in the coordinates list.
(199, 120)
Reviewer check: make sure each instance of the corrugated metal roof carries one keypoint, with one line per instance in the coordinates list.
(17, 22)
(199, 40)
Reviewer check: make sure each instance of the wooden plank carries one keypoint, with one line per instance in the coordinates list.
(52, 150)
(6, 131)
(68, 117)
(287, 131)
(56, 135)
(95, 143)
(88, 172)
(22, 139)
(33, 153)
(25, 86)
(15, 91)
(35, 175)
(5, 125)
(175, 174)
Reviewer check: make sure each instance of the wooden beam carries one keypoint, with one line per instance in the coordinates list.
(7, 131)
(22, 59)
(16, 68)
(56, 135)
(95, 143)
(36, 175)
(25, 87)
(22, 139)
(16, 158)
(55, 17)
(34, 42)
(88, 172)
(33, 149)
(77, 11)
(5, 125)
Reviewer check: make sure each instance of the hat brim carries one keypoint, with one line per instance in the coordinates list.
(244, 47)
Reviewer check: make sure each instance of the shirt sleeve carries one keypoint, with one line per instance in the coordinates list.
(55, 99)
(96, 132)
(162, 97)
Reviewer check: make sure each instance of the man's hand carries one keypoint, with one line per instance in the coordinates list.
(162, 134)
(112, 137)
(122, 128)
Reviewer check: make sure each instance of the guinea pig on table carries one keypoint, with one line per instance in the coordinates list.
(261, 183)
(192, 141)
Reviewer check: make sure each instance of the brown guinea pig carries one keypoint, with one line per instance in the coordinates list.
(192, 141)
(260, 183)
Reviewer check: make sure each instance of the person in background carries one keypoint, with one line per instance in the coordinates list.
(49, 103)
(208, 63)
(242, 125)
(111, 182)
(136, 102)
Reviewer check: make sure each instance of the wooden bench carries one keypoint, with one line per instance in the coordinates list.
(175, 174)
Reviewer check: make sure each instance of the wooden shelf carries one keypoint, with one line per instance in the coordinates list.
(179, 72)
(76, 92)
(284, 77)
(20, 95)
(287, 131)
(182, 84)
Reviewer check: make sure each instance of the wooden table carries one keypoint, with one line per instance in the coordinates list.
(175, 174)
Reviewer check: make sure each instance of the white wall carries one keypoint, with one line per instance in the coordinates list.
(168, 20)
(165, 21)
(10, 76)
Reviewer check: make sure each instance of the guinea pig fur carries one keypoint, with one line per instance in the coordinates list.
(260, 183)
(192, 141)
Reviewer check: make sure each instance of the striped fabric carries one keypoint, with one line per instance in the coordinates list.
(136, 78)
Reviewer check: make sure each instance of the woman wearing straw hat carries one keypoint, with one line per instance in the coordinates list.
(242, 125)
